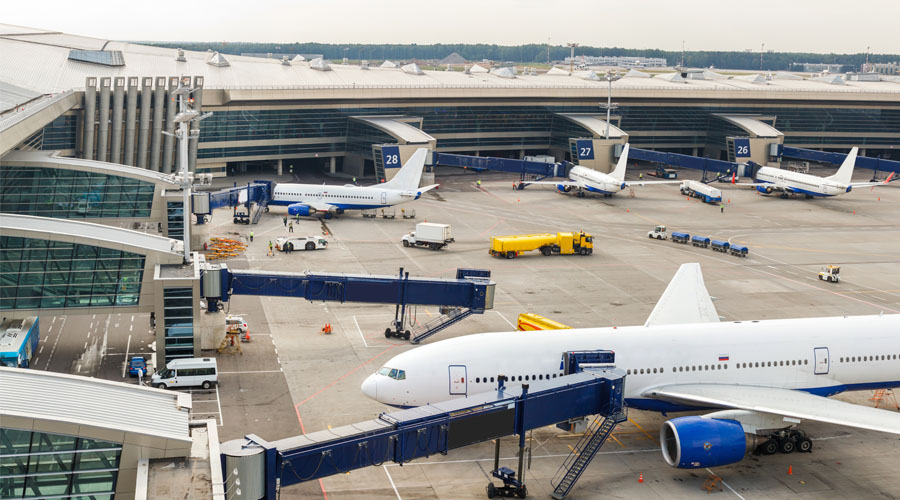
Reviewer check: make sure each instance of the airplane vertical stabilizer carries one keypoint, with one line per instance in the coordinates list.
(685, 300)
(619, 172)
(845, 173)
(410, 174)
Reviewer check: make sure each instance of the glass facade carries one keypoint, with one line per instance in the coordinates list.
(43, 465)
(60, 133)
(178, 305)
(72, 194)
(40, 274)
(175, 219)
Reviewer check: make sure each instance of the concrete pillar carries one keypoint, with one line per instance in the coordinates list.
(159, 100)
(332, 165)
(862, 152)
(90, 116)
(144, 129)
(280, 167)
(130, 117)
(695, 153)
(521, 154)
(169, 141)
(115, 144)
(195, 143)
(103, 124)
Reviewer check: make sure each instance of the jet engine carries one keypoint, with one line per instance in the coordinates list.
(301, 209)
(698, 442)
(563, 189)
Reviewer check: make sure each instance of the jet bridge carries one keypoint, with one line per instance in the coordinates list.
(523, 167)
(256, 192)
(875, 164)
(405, 435)
(472, 292)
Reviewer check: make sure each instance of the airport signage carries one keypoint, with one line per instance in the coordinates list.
(585, 149)
(390, 156)
(742, 148)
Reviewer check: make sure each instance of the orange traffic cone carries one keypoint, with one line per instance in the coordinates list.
(641, 478)
(790, 470)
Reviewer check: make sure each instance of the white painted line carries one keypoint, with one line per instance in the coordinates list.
(252, 371)
(360, 332)
(94, 317)
(91, 325)
(58, 336)
(219, 402)
(386, 471)
(85, 345)
(41, 349)
(728, 486)
(130, 328)
(504, 319)
(50, 329)
(35, 361)
(127, 347)
(132, 318)
(79, 367)
(89, 334)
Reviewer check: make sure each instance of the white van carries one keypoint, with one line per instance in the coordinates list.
(187, 372)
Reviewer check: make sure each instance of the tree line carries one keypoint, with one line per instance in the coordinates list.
(537, 54)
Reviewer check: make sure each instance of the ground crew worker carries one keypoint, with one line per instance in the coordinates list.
(722, 208)
(291, 227)
(271, 252)
(284, 219)
(641, 176)
(354, 180)
(478, 183)
(251, 236)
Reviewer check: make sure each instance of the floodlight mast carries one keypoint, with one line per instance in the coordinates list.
(186, 115)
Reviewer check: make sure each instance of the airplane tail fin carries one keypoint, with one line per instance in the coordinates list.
(845, 173)
(686, 300)
(619, 172)
(410, 174)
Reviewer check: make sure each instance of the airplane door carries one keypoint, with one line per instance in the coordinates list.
(822, 362)
(383, 198)
(457, 380)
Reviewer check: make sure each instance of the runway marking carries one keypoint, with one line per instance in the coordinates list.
(358, 329)
(728, 486)
(58, 336)
(643, 431)
(504, 319)
(386, 471)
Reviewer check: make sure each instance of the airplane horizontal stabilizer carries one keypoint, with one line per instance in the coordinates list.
(785, 402)
(685, 300)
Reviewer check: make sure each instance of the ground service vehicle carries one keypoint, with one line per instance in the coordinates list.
(429, 234)
(720, 246)
(739, 250)
(702, 191)
(831, 274)
(241, 218)
(562, 243)
(187, 372)
(700, 241)
(300, 243)
(680, 237)
(137, 363)
(664, 173)
(236, 325)
(659, 232)
(18, 341)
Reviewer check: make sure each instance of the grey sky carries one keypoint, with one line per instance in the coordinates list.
(783, 25)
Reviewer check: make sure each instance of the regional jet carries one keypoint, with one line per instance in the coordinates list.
(585, 180)
(312, 199)
(762, 378)
(769, 180)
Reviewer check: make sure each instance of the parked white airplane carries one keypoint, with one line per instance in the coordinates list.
(763, 376)
(310, 199)
(770, 179)
(584, 179)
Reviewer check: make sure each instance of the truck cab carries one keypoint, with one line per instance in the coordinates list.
(659, 233)
(831, 274)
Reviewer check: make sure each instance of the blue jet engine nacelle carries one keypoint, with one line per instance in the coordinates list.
(698, 442)
(301, 209)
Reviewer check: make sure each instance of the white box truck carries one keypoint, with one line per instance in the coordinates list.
(702, 191)
(429, 234)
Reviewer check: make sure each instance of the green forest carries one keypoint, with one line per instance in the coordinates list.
(535, 54)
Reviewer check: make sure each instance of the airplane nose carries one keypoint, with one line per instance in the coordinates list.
(370, 387)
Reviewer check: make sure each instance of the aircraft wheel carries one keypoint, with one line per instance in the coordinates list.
(522, 491)
(491, 490)
(770, 447)
(310, 245)
(786, 445)
(804, 445)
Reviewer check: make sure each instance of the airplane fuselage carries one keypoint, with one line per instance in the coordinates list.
(823, 356)
(341, 197)
(796, 182)
(596, 182)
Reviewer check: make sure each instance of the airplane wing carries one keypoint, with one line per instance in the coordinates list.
(685, 300)
(786, 402)
(320, 206)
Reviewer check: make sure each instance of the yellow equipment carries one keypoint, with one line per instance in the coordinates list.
(529, 322)
(562, 243)
(830, 274)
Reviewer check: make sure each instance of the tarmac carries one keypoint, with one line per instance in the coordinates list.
(292, 379)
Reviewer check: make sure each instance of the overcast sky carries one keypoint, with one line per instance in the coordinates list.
(783, 25)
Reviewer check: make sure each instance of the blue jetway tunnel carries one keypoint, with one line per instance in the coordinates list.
(472, 292)
(875, 164)
(522, 167)
(406, 435)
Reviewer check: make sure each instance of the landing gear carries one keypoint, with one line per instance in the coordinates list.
(786, 442)
(580, 194)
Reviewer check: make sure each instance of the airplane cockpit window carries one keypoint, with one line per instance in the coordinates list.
(384, 371)
(401, 375)
(393, 373)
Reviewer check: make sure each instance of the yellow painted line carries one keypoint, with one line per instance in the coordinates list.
(616, 440)
(329, 427)
(573, 449)
(642, 430)
(427, 312)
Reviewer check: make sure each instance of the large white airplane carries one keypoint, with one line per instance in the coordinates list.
(311, 199)
(769, 180)
(585, 180)
(764, 377)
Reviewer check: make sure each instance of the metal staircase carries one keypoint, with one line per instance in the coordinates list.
(260, 209)
(582, 454)
(425, 330)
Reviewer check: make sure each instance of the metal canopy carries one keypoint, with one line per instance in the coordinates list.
(751, 124)
(396, 128)
(594, 124)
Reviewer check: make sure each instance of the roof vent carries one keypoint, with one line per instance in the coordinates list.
(477, 69)
(319, 64)
(364, 64)
(557, 71)
(103, 57)
(388, 64)
(285, 61)
(180, 56)
(587, 75)
(298, 58)
(217, 60)
(506, 72)
(412, 69)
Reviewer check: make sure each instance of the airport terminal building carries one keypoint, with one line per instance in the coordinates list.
(111, 101)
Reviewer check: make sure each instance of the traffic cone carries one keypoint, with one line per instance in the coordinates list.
(641, 478)
(790, 470)
(627, 210)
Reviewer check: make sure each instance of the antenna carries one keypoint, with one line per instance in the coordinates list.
(572, 57)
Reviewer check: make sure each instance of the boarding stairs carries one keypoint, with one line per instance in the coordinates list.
(582, 454)
(452, 316)
(261, 207)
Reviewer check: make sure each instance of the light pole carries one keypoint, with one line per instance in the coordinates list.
(609, 104)
(572, 57)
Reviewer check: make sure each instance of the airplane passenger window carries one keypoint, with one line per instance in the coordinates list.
(706, 367)
(541, 377)
(654, 370)
(492, 379)
(805, 361)
(477, 380)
